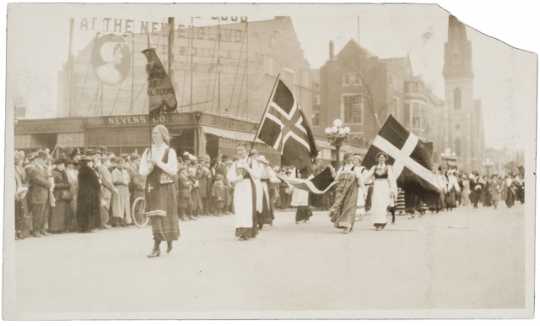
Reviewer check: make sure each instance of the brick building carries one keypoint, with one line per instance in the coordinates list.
(362, 90)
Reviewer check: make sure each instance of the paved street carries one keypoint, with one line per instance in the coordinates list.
(464, 259)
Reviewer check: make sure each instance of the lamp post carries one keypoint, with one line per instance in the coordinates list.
(336, 136)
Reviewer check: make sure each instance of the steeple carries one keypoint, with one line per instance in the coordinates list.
(457, 52)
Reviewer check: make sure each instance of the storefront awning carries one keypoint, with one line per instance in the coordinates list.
(230, 134)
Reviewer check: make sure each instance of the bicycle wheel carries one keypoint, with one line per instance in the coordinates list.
(137, 212)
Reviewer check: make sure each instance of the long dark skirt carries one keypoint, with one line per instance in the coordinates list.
(165, 228)
(303, 213)
(59, 215)
(267, 215)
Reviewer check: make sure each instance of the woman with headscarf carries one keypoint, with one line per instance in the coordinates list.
(159, 165)
(384, 191)
(244, 174)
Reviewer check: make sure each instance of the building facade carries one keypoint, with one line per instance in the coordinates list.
(363, 90)
(463, 127)
(222, 73)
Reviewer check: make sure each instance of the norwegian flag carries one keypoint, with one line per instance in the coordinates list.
(285, 128)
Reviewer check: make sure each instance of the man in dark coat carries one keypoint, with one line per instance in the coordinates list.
(38, 193)
(88, 199)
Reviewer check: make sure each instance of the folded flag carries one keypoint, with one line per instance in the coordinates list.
(318, 184)
(410, 157)
(285, 128)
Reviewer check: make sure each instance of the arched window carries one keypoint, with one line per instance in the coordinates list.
(457, 99)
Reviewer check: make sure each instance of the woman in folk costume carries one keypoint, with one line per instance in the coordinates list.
(121, 209)
(360, 172)
(267, 176)
(466, 191)
(159, 165)
(88, 198)
(384, 191)
(243, 174)
(343, 211)
(452, 190)
(61, 212)
(300, 199)
(495, 189)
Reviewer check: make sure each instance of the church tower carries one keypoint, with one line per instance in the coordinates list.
(463, 128)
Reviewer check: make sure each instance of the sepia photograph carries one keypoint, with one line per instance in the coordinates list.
(266, 161)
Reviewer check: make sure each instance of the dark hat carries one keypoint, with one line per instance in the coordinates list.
(42, 154)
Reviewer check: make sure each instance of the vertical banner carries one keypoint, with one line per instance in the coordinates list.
(161, 95)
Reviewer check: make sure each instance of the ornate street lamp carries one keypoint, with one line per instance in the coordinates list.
(337, 135)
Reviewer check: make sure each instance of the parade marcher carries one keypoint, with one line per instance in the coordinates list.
(485, 195)
(159, 165)
(121, 210)
(61, 213)
(360, 172)
(384, 191)
(465, 191)
(476, 189)
(452, 189)
(519, 184)
(343, 211)
(39, 192)
(442, 183)
(510, 191)
(23, 220)
(300, 200)
(495, 189)
(243, 175)
(266, 217)
(88, 198)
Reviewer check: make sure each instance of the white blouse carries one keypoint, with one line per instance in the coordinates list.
(156, 153)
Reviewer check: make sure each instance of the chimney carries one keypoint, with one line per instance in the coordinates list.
(331, 50)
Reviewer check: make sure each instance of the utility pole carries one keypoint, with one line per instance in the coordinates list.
(70, 68)
(191, 48)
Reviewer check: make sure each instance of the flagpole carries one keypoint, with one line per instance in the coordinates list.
(149, 113)
(265, 110)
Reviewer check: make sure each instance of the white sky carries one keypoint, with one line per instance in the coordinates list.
(504, 77)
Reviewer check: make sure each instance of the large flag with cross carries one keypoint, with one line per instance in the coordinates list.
(285, 128)
(410, 157)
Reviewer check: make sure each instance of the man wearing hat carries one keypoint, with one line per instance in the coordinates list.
(40, 187)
